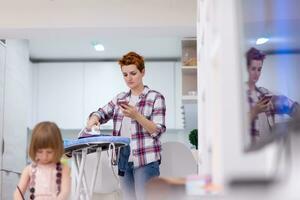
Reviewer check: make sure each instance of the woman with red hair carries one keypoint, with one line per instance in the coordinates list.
(264, 105)
(138, 114)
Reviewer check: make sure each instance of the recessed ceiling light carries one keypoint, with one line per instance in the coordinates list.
(98, 46)
(261, 40)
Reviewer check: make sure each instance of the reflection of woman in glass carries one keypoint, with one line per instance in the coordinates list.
(263, 104)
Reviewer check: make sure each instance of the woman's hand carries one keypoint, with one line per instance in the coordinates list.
(132, 112)
(261, 106)
(93, 121)
(129, 111)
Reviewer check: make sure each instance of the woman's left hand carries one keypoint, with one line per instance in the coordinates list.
(129, 111)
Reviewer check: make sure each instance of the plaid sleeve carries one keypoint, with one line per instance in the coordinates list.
(159, 114)
(105, 113)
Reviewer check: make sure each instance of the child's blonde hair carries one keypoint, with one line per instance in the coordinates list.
(46, 135)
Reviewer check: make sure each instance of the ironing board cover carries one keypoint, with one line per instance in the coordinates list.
(94, 142)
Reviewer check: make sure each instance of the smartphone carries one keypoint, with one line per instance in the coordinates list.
(267, 98)
(122, 103)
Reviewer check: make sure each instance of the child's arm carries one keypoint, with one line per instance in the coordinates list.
(65, 183)
(23, 183)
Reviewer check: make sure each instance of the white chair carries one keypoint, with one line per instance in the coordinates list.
(177, 160)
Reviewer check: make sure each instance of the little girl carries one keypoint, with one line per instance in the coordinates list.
(46, 177)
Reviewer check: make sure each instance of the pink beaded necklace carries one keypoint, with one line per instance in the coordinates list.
(32, 182)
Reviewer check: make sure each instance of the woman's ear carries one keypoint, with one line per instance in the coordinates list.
(143, 72)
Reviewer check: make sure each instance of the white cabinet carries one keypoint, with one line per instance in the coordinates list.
(160, 76)
(59, 94)
(102, 82)
(68, 92)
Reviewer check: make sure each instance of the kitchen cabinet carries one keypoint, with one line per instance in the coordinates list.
(68, 92)
(161, 76)
(102, 81)
(59, 94)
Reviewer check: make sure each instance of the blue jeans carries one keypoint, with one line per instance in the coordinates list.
(134, 180)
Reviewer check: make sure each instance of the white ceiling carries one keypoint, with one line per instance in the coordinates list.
(65, 29)
(279, 20)
(151, 43)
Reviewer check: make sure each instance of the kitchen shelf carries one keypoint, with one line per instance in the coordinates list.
(193, 67)
(189, 52)
(189, 68)
(189, 98)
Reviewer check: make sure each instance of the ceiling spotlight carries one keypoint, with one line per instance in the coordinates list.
(261, 40)
(98, 47)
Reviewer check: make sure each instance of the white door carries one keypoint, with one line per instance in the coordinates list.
(2, 75)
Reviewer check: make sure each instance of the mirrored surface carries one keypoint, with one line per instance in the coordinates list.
(271, 54)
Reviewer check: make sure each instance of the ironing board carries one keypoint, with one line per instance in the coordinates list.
(79, 148)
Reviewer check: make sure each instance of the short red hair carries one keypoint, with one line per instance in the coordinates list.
(254, 54)
(133, 58)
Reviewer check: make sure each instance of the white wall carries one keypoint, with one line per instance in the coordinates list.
(2, 78)
(281, 74)
(17, 112)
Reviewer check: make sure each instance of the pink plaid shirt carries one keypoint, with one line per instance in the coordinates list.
(145, 148)
(283, 105)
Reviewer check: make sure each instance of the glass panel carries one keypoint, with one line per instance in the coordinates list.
(270, 48)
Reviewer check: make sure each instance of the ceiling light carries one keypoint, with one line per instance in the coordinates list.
(98, 47)
(261, 40)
